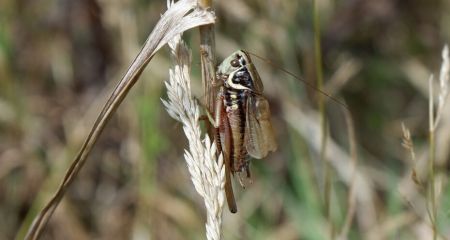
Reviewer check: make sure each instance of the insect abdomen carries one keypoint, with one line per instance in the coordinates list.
(236, 116)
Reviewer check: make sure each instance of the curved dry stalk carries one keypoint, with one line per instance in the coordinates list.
(179, 17)
(308, 126)
(351, 201)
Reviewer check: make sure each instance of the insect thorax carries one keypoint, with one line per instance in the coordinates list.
(236, 88)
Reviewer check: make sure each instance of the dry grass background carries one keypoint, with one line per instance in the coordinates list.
(60, 59)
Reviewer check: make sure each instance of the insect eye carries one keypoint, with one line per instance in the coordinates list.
(234, 63)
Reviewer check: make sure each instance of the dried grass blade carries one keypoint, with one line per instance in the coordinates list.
(180, 17)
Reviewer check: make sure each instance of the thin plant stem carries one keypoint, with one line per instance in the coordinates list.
(432, 197)
(208, 57)
(431, 191)
(351, 201)
(435, 117)
(323, 122)
(208, 66)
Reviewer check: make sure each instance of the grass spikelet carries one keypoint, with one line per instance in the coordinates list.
(207, 172)
(408, 144)
(434, 119)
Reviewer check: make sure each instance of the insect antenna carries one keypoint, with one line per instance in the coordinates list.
(308, 84)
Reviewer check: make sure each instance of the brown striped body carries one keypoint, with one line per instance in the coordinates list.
(235, 108)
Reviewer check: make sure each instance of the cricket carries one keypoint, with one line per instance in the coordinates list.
(241, 119)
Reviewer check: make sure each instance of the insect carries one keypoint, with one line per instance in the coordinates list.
(241, 118)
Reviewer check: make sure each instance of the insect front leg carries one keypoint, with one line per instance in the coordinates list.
(215, 120)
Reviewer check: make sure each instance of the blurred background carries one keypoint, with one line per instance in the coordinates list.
(60, 59)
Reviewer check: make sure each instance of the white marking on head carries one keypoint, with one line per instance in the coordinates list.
(234, 85)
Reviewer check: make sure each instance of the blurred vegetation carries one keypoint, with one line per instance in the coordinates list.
(59, 60)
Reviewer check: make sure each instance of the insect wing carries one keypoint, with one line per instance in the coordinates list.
(259, 137)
